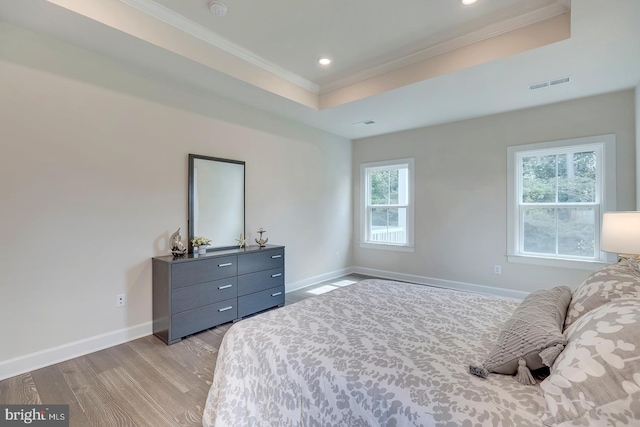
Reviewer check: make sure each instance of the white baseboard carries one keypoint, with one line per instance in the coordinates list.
(290, 287)
(450, 284)
(40, 359)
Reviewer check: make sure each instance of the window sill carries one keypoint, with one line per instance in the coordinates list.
(555, 262)
(387, 247)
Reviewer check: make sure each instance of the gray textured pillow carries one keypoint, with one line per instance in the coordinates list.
(615, 281)
(596, 379)
(532, 337)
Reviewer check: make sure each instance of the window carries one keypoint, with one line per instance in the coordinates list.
(558, 192)
(387, 205)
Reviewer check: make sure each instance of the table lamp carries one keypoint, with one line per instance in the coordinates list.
(621, 234)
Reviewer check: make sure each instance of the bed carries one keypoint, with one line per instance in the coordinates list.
(376, 353)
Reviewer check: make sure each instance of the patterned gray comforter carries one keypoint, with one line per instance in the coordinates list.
(377, 353)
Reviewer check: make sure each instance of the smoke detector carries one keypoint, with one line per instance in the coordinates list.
(218, 8)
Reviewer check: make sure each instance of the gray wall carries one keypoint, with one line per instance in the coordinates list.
(94, 173)
(461, 188)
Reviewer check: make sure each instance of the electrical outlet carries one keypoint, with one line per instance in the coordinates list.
(497, 269)
(121, 300)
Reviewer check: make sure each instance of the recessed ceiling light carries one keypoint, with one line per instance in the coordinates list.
(468, 2)
(324, 61)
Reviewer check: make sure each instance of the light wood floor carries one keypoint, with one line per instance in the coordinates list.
(139, 383)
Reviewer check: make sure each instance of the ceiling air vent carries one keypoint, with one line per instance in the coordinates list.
(539, 85)
(559, 81)
(550, 83)
(364, 123)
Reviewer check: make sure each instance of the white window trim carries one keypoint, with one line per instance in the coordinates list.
(607, 193)
(364, 185)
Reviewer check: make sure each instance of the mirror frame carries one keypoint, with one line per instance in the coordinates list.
(192, 158)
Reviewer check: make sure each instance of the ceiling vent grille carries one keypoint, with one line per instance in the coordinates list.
(560, 81)
(364, 123)
(550, 83)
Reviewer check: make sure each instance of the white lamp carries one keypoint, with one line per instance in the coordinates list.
(621, 234)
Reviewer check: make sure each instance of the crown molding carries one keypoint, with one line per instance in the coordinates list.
(178, 21)
(484, 33)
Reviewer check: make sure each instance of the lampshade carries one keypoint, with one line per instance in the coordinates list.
(621, 232)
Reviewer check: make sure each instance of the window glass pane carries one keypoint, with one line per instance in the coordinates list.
(539, 231)
(576, 232)
(577, 177)
(403, 186)
(380, 187)
(393, 187)
(388, 225)
(539, 179)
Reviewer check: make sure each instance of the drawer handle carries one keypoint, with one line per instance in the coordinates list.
(226, 264)
(276, 275)
(225, 287)
(226, 308)
(276, 294)
(276, 256)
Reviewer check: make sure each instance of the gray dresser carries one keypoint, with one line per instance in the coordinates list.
(197, 292)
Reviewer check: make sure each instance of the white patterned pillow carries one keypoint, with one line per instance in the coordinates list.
(596, 380)
(615, 281)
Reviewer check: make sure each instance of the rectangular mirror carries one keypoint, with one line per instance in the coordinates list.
(216, 200)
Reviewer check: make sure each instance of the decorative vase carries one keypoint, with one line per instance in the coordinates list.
(202, 250)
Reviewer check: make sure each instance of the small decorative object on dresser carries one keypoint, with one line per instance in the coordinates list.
(194, 293)
(201, 243)
(262, 242)
(242, 242)
(177, 247)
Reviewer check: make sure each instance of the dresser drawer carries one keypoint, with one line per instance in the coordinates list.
(189, 322)
(259, 261)
(255, 282)
(206, 270)
(188, 297)
(249, 304)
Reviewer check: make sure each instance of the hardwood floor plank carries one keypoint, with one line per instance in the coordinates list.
(158, 354)
(53, 388)
(196, 356)
(139, 404)
(173, 401)
(19, 390)
(103, 360)
(100, 407)
(222, 329)
(103, 410)
(190, 418)
(211, 338)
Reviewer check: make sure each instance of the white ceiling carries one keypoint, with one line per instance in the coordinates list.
(405, 64)
(357, 34)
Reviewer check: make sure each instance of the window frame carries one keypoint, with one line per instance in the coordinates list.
(365, 169)
(605, 147)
